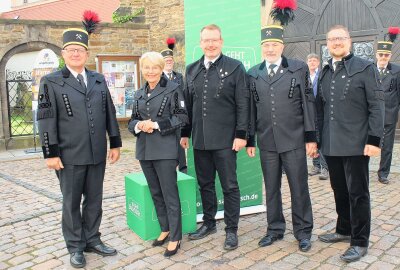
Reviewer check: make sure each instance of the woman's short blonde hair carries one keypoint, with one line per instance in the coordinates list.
(154, 57)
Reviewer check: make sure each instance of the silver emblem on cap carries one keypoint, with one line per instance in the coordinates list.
(79, 36)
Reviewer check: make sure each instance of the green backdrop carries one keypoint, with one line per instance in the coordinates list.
(240, 23)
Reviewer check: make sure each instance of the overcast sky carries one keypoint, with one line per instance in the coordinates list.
(5, 5)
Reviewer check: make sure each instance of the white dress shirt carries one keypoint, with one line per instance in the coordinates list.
(75, 74)
(277, 63)
(206, 60)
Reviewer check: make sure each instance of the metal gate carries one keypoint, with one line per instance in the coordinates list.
(19, 98)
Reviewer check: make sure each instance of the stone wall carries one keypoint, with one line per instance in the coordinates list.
(17, 36)
(132, 39)
(165, 19)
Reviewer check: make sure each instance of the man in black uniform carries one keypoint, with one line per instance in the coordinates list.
(350, 110)
(75, 112)
(168, 55)
(218, 107)
(283, 118)
(389, 76)
(176, 77)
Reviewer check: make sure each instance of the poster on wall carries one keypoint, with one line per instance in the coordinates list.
(121, 81)
(240, 23)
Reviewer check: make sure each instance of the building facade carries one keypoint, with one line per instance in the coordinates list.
(367, 21)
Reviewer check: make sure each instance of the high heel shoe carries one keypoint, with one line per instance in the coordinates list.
(157, 243)
(169, 253)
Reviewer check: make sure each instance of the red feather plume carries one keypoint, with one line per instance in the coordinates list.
(282, 11)
(90, 20)
(282, 4)
(171, 43)
(392, 33)
(394, 30)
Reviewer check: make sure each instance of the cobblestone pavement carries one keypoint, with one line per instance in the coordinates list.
(31, 238)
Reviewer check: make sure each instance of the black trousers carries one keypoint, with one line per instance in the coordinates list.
(81, 230)
(350, 183)
(207, 163)
(387, 150)
(162, 179)
(295, 164)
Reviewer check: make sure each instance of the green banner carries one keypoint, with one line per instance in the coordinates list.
(240, 23)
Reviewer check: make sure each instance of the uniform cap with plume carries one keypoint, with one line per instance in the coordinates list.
(386, 45)
(282, 13)
(79, 36)
(171, 45)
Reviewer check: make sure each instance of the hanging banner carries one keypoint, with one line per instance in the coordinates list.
(240, 23)
(45, 63)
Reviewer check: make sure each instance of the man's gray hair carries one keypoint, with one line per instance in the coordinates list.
(313, 55)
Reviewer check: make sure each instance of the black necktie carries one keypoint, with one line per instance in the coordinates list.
(381, 72)
(170, 76)
(271, 70)
(209, 64)
(336, 65)
(81, 81)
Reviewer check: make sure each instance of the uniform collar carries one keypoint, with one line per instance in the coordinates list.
(284, 63)
(277, 63)
(385, 67)
(75, 74)
(168, 72)
(343, 60)
(205, 61)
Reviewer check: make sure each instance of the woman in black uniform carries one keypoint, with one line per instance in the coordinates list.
(158, 113)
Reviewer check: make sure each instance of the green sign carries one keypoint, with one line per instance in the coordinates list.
(141, 214)
(240, 23)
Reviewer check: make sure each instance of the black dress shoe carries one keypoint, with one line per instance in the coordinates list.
(157, 242)
(269, 239)
(334, 238)
(169, 253)
(231, 241)
(202, 232)
(77, 259)
(383, 180)
(354, 253)
(305, 245)
(102, 250)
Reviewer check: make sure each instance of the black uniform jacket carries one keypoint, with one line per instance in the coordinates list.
(218, 103)
(282, 107)
(73, 122)
(390, 84)
(166, 106)
(350, 106)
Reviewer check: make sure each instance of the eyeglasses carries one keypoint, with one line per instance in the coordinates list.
(212, 41)
(72, 51)
(383, 54)
(341, 39)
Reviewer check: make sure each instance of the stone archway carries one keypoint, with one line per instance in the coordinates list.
(5, 138)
